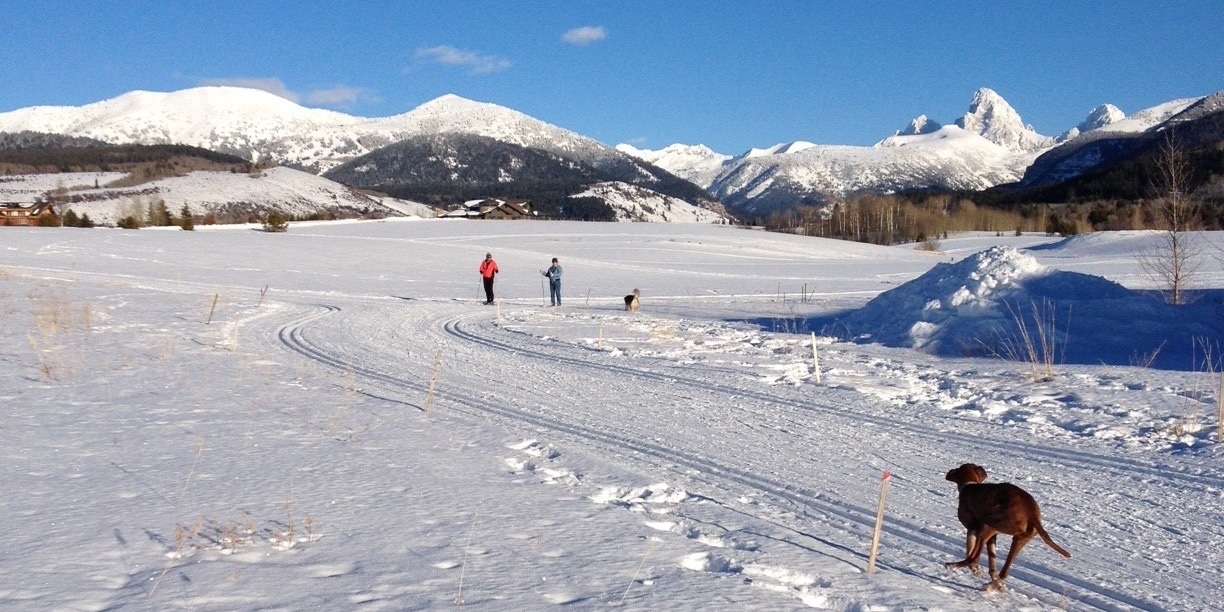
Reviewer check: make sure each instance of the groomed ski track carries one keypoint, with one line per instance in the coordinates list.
(391, 349)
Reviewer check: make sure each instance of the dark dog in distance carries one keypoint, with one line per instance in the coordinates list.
(988, 509)
(632, 303)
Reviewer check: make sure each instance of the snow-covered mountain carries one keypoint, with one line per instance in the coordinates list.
(261, 126)
(695, 163)
(1114, 136)
(989, 145)
(258, 125)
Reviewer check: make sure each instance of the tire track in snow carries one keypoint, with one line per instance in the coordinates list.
(1053, 584)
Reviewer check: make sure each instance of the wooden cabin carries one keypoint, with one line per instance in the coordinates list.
(492, 208)
(27, 213)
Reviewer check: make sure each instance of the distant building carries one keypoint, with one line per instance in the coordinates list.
(492, 208)
(26, 213)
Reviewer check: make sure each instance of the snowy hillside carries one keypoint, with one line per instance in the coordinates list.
(633, 203)
(291, 192)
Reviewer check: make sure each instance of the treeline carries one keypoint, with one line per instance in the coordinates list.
(112, 158)
(893, 219)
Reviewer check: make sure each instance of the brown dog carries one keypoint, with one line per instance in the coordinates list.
(632, 303)
(986, 510)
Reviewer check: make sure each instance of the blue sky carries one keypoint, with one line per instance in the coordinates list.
(731, 75)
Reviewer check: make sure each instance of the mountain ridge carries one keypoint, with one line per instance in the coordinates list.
(988, 145)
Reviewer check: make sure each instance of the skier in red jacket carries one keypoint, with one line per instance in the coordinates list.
(488, 269)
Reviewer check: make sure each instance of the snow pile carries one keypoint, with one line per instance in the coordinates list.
(986, 305)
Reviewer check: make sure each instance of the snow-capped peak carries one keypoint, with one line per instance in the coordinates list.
(920, 125)
(782, 148)
(696, 163)
(992, 117)
(1101, 116)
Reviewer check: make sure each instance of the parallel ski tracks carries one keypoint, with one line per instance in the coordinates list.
(1053, 583)
(1126, 468)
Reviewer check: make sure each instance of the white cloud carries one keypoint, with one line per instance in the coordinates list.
(476, 63)
(585, 35)
(271, 85)
(341, 96)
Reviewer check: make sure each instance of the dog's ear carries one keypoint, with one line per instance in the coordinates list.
(952, 474)
(979, 473)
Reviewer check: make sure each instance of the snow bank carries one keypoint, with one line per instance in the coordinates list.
(985, 304)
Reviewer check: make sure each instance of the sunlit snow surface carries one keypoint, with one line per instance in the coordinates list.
(328, 419)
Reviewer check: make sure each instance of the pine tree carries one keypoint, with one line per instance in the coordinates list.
(185, 219)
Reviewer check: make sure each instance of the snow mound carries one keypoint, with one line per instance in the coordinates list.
(984, 304)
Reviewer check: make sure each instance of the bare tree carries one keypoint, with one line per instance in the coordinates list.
(1173, 263)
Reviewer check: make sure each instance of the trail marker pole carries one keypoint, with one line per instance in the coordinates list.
(879, 523)
(815, 360)
(262, 293)
(216, 296)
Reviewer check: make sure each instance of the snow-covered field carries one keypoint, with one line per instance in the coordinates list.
(328, 419)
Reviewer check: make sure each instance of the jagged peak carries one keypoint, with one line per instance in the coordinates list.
(1101, 116)
(994, 118)
(920, 125)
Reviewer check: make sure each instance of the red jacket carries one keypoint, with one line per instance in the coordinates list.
(488, 268)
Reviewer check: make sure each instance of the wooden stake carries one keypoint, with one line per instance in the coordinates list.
(879, 523)
(262, 293)
(216, 296)
(815, 360)
(433, 380)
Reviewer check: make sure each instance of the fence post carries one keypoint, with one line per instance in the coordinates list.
(815, 360)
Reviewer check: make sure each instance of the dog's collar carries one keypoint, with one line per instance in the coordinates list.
(961, 487)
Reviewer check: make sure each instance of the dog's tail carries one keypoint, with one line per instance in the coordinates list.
(1045, 536)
